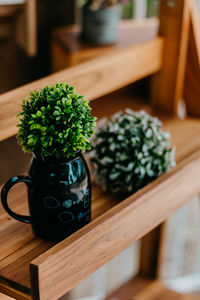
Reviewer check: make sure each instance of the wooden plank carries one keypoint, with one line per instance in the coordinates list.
(24, 245)
(26, 28)
(103, 239)
(68, 49)
(4, 297)
(19, 244)
(14, 268)
(157, 290)
(7, 290)
(150, 253)
(130, 288)
(68, 11)
(141, 288)
(192, 78)
(7, 11)
(92, 79)
(167, 85)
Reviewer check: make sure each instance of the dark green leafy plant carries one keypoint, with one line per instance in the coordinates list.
(129, 151)
(55, 121)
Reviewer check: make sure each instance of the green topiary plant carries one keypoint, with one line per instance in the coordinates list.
(129, 151)
(55, 121)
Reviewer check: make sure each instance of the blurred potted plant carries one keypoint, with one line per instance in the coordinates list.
(55, 125)
(100, 19)
(129, 151)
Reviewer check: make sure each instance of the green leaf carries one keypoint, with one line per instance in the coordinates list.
(43, 109)
(56, 113)
(30, 141)
(38, 114)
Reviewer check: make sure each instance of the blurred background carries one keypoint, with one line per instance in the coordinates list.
(38, 37)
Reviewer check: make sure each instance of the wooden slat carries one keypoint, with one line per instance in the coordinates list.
(103, 239)
(4, 297)
(26, 28)
(167, 85)
(21, 247)
(68, 49)
(157, 290)
(8, 11)
(141, 288)
(92, 79)
(7, 290)
(192, 78)
(20, 244)
(150, 253)
(130, 288)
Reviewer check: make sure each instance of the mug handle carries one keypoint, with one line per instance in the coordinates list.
(4, 193)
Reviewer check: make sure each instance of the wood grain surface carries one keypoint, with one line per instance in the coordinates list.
(192, 78)
(68, 49)
(167, 85)
(151, 252)
(13, 292)
(159, 199)
(92, 79)
(103, 238)
(141, 288)
(26, 28)
(4, 297)
(115, 230)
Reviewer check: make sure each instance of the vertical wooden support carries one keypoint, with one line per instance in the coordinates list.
(68, 11)
(26, 28)
(151, 252)
(167, 85)
(192, 78)
(179, 77)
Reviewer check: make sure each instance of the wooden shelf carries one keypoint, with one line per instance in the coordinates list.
(67, 49)
(25, 258)
(141, 288)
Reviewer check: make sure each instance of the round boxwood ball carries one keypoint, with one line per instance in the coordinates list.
(129, 151)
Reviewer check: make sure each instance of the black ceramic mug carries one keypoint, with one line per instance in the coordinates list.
(59, 196)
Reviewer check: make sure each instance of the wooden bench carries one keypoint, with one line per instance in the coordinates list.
(31, 268)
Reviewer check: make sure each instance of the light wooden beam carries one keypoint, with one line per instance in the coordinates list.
(192, 78)
(167, 85)
(101, 240)
(26, 28)
(92, 79)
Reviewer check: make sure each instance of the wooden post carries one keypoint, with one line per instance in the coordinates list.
(192, 78)
(68, 11)
(179, 77)
(151, 252)
(167, 85)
